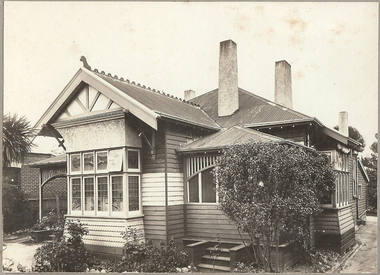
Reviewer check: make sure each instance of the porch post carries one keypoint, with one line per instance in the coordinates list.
(40, 196)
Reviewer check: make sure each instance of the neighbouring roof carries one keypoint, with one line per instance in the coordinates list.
(226, 137)
(53, 161)
(364, 173)
(252, 110)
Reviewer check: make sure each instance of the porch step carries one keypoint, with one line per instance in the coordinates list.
(224, 252)
(219, 261)
(210, 267)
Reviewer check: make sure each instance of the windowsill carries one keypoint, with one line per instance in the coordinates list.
(203, 203)
(105, 217)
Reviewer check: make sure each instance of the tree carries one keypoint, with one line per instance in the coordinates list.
(17, 213)
(17, 136)
(269, 190)
(371, 168)
(354, 134)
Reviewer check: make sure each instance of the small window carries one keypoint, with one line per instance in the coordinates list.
(360, 191)
(193, 187)
(102, 160)
(133, 190)
(102, 194)
(208, 192)
(76, 191)
(117, 193)
(75, 163)
(89, 194)
(133, 159)
(88, 162)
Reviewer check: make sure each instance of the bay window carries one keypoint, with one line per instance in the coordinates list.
(105, 182)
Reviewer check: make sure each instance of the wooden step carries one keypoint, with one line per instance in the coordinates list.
(212, 260)
(224, 252)
(214, 267)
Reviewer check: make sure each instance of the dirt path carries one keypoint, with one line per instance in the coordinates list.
(365, 258)
(19, 251)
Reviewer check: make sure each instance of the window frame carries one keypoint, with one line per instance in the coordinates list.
(133, 170)
(135, 212)
(124, 210)
(83, 162)
(71, 195)
(95, 174)
(200, 189)
(89, 212)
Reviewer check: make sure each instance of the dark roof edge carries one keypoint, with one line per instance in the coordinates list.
(285, 122)
(170, 117)
(361, 166)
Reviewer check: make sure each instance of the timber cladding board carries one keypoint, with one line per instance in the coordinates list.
(154, 228)
(153, 189)
(345, 219)
(204, 222)
(176, 226)
(327, 222)
(107, 232)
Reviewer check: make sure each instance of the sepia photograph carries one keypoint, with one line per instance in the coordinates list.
(190, 137)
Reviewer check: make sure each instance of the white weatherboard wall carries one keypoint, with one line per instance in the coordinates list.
(107, 232)
(153, 189)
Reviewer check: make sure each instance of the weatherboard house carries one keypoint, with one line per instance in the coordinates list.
(137, 157)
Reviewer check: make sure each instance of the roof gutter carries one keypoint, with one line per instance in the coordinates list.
(170, 117)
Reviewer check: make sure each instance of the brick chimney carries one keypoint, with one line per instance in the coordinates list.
(283, 84)
(189, 94)
(343, 123)
(228, 94)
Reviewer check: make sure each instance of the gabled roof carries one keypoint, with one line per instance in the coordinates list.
(252, 110)
(148, 105)
(166, 106)
(226, 137)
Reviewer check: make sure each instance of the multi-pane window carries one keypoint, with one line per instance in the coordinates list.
(100, 180)
(117, 193)
(76, 197)
(89, 194)
(340, 197)
(201, 188)
(134, 194)
(102, 193)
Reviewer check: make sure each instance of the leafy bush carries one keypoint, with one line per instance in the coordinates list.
(54, 221)
(66, 256)
(16, 211)
(143, 256)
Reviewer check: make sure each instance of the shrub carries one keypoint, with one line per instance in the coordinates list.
(143, 256)
(67, 255)
(17, 214)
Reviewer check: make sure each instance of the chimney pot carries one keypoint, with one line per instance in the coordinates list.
(189, 94)
(228, 91)
(343, 123)
(283, 84)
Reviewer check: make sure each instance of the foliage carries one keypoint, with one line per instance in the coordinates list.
(65, 256)
(371, 168)
(269, 189)
(317, 261)
(143, 256)
(17, 136)
(16, 209)
(53, 221)
(241, 267)
(354, 134)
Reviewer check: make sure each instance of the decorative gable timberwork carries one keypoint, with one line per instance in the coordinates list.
(87, 102)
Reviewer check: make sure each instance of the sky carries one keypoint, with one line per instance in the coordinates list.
(174, 46)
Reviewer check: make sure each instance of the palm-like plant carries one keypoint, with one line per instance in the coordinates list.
(17, 138)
